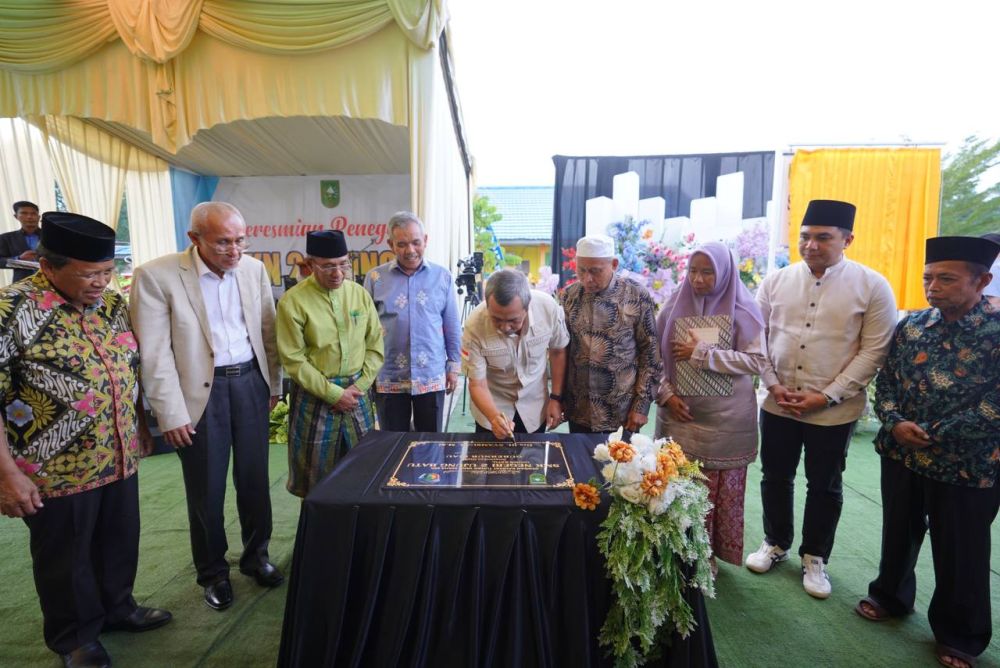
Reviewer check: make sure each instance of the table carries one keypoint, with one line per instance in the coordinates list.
(451, 577)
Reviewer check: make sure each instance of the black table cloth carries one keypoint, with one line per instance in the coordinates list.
(452, 577)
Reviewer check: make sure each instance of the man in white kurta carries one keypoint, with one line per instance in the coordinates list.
(828, 322)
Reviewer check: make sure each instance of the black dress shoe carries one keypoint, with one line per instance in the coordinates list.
(91, 655)
(141, 619)
(266, 575)
(219, 595)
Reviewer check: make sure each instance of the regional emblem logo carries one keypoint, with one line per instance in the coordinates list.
(330, 193)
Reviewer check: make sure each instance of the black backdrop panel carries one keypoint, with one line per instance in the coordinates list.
(677, 178)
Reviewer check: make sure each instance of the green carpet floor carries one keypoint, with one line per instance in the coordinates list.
(756, 620)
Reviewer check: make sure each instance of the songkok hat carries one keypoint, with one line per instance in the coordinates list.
(964, 249)
(77, 237)
(595, 245)
(326, 243)
(830, 213)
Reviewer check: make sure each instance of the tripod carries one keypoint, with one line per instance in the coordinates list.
(468, 284)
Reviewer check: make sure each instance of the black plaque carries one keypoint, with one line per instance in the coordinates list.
(472, 464)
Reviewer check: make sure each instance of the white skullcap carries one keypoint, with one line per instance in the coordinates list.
(595, 245)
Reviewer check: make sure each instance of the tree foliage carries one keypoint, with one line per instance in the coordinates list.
(484, 214)
(966, 207)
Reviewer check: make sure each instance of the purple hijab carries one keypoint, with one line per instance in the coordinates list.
(728, 297)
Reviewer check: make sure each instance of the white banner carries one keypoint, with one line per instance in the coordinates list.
(280, 210)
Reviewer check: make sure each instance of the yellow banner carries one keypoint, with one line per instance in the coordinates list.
(897, 192)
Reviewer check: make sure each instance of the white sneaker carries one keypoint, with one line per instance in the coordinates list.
(768, 555)
(815, 580)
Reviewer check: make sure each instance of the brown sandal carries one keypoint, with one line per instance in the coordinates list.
(943, 651)
(874, 613)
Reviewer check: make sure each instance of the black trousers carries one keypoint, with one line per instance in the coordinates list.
(395, 411)
(959, 519)
(519, 427)
(782, 441)
(236, 418)
(84, 551)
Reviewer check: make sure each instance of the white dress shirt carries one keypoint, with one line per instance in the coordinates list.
(828, 334)
(230, 338)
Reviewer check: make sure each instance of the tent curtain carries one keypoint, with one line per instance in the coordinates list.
(150, 208)
(897, 192)
(25, 174)
(439, 187)
(25, 171)
(91, 186)
(213, 83)
(50, 35)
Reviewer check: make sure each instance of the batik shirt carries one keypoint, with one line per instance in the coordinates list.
(420, 326)
(946, 378)
(69, 386)
(614, 363)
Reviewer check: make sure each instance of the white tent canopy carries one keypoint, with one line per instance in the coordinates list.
(224, 88)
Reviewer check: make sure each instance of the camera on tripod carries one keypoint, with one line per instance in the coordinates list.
(469, 270)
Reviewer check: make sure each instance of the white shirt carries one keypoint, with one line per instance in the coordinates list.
(828, 334)
(230, 338)
(515, 368)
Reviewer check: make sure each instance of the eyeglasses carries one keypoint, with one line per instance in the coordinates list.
(223, 245)
(342, 267)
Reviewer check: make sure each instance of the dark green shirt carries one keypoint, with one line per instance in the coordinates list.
(946, 378)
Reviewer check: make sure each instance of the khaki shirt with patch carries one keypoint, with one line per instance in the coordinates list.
(515, 369)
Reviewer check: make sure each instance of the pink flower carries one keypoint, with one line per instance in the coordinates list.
(49, 300)
(126, 339)
(87, 404)
(26, 467)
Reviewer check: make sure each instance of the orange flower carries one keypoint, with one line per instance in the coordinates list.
(586, 496)
(647, 234)
(673, 451)
(920, 358)
(621, 451)
(653, 483)
(666, 466)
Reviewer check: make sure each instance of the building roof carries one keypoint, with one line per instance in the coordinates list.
(526, 211)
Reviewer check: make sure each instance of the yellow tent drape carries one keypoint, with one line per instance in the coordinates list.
(48, 35)
(897, 192)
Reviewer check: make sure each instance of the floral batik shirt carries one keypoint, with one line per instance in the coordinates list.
(946, 378)
(420, 326)
(614, 364)
(68, 387)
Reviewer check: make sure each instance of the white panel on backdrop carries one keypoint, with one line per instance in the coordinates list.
(625, 193)
(280, 210)
(600, 214)
(729, 199)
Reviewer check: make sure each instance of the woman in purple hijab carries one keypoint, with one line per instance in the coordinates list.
(711, 334)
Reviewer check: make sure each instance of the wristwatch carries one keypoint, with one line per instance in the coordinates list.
(555, 397)
(830, 401)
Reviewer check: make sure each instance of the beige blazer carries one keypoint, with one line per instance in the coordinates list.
(175, 341)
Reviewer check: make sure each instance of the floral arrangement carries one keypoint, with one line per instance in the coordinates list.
(660, 267)
(655, 524)
(547, 281)
(751, 246)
